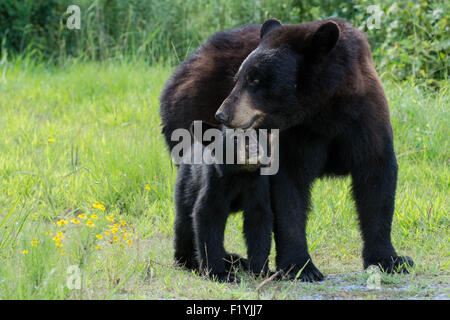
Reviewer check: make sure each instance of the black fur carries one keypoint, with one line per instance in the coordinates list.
(316, 82)
(205, 195)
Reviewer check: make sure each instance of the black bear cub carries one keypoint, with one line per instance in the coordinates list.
(205, 195)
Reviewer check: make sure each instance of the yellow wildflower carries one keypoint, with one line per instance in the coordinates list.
(59, 244)
(114, 230)
(147, 187)
(123, 223)
(98, 247)
(82, 216)
(98, 205)
(99, 236)
(25, 252)
(106, 233)
(75, 221)
(34, 243)
(115, 238)
(90, 224)
(62, 222)
(60, 235)
(94, 216)
(109, 218)
(51, 140)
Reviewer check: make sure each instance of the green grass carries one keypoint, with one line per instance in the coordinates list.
(107, 147)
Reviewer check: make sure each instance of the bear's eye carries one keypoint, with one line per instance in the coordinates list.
(253, 81)
(254, 77)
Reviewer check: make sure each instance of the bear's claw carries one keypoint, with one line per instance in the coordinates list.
(308, 273)
(398, 264)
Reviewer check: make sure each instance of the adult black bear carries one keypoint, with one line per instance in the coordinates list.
(316, 82)
(205, 195)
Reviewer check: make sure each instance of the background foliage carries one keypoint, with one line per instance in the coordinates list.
(412, 41)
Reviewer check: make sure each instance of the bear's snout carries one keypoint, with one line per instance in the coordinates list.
(238, 111)
(222, 117)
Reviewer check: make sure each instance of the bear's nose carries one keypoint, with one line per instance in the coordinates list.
(220, 116)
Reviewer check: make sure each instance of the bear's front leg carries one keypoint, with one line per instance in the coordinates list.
(210, 217)
(258, 226)
(290, 200)
(374, 185)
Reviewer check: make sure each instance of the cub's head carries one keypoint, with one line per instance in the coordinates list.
(232, 149)
(293, 72)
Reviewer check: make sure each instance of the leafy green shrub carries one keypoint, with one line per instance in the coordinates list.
(415, 42)
(412, 41)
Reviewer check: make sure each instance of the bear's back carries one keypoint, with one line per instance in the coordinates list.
(199, 85)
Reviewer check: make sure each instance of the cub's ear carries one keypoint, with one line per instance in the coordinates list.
(325, 39)
(268, 26)
(198, 129)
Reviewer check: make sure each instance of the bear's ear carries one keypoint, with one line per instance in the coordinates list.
(268, 26)
(325, 38)
(198, 128)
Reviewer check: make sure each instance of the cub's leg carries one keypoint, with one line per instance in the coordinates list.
(185, 254)
(210, 215)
